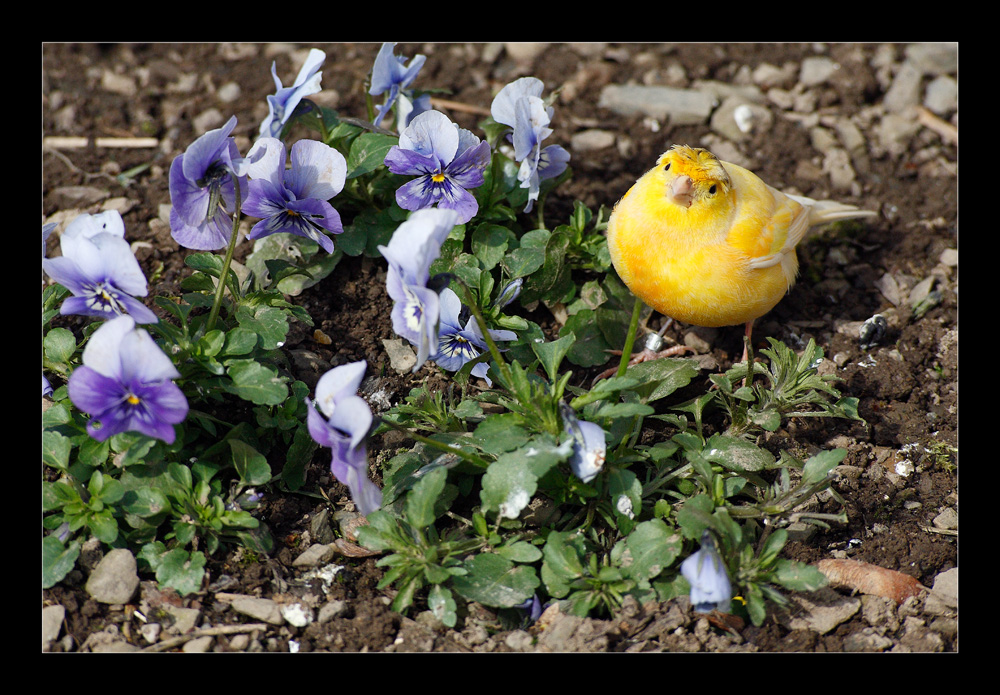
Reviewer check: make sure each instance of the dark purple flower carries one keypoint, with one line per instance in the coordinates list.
(202, 190)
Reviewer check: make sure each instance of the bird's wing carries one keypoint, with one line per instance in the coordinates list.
(786, 227)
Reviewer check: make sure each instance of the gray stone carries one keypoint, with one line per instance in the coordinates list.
(258, 609)
(681, 106)
(52, 619)
(114, 579)
(816, 70)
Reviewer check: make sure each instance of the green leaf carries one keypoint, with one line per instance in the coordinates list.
(146, 502)
(59, 345)
(772, 546)
(495, 581)
(55, 450)
(254, 382)
(661, 377)
(510, 482)
(551, 354)
(181, 571)
(299, 454)
(561, 564)
(590, 348)
(489, 244)
(368, 152)
(421, 498)
(269, 323)
(499, 433)
(818, 467)
(250, 464)
(442, 605)
(654, 547)
(737, 454)
(520, 551)
(798, 576)
(57, 560)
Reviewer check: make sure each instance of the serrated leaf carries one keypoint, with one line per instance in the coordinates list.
(57, 560)
(495, 581)
(181, 571)
(250, 464)
(256, 383)
(737, 454)
(421, 498)
(368, 152)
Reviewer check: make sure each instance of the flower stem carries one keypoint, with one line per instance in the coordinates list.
(213, 315)
(633, 326)
(484, 329)
(462, 454)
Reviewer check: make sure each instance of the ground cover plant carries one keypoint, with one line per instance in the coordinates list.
(513, 483)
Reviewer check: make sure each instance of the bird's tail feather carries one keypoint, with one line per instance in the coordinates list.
(826, 211)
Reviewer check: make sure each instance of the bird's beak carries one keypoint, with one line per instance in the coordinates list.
(681, 190)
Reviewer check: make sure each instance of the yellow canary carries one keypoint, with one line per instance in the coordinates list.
(707, 242)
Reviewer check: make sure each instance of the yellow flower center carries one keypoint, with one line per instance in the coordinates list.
(437, 178)
(133, 399)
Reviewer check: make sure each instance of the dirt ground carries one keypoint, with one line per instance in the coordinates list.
(907, 385)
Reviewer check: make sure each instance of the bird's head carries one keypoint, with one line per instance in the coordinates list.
(693, 176)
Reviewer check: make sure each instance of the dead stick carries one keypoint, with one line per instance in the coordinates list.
(459, 106)
(205, 632)
(60, 142)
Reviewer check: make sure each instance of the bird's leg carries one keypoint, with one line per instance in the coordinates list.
(748, 331)
(652, 350)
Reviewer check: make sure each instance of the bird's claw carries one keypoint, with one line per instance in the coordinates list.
(644, 356)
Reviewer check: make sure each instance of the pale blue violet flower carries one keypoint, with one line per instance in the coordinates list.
(391, 74)
(202, 190)
(446, 160)
(125, 385)
(706, 573)
(458, 345)
(294, 201)
(519, 105)
(98, 267)
(281, 105)
(589, 445)
(340, 419)
(416, 244)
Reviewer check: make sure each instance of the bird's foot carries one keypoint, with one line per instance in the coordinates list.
(651, 351)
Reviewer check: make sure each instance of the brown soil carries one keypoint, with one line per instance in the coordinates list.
(907, 386)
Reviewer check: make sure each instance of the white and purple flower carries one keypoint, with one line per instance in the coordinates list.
(125, 384)
(340, 419)
(281, 105)
(390, 73)
(446, 160)
(519, 105)
(458, 345)
(706, 573)
(294, 201)
(98, 267)
(416, 244)
(589, 445)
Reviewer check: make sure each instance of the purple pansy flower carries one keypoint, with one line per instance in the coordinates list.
(706, 573)
(458, 345)
(520, 106)
(202, 190)
(446, 160)
(294, 201)
(416, 244)
(589, 445)
(98, 267)
(281, 105)
(125, 384)
(391, 74)
(340, 419)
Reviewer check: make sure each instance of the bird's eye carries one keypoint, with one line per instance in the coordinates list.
(712, 189)
(667, 168)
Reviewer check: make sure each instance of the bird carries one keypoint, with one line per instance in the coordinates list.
(708, 243)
